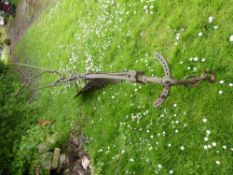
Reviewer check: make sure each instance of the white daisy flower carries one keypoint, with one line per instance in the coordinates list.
(195, 59)
(204, 120)
(214, 144)
(231, 38)
(221, 81)
(182, 148)
(171, 171)
(131, 160)
(220, 92)
(208, 132)
(210, 19)
(215, 27)
(159, 166)
(217, 162)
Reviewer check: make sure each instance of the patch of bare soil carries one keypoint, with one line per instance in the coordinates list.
(78, 162)
(26, 13)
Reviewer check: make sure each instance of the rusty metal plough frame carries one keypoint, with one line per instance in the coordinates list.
(133, 76)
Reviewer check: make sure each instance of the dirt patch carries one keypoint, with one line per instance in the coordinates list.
(26, 13)
(78, 162)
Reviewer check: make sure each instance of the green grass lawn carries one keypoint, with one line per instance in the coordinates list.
(191, 133)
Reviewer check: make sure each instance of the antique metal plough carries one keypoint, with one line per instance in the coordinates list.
(134, 76)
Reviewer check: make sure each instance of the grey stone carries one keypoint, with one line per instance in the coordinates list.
(62, 159)
(56, 158)
(52, 139)
(46, 165)
(43, 147)
(85, 162)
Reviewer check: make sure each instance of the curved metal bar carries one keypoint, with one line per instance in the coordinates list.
(163, 61)
(167, 75)
(163, 96)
